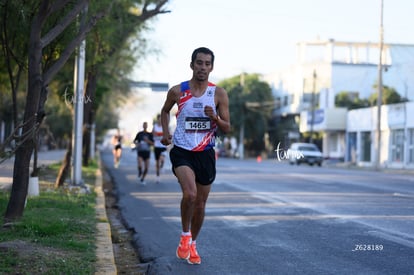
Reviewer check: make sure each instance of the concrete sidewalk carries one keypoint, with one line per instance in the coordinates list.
(44, 158)
(105, 263)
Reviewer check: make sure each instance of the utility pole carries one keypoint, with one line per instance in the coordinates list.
(313, 107)
(79, 80)
(241, 133)
(379, 98)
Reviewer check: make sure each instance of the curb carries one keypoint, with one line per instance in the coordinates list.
(105, 260)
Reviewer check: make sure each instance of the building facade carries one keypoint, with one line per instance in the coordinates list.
(396, 149)
(306, 91)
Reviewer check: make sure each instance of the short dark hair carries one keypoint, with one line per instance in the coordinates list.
(202, 50)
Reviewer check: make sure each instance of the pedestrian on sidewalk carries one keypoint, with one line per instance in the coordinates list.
(202, 108)
(143, 140)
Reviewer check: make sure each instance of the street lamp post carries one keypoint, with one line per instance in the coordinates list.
(241, 133)
(313, 107)
(79, 79)
(379, 98)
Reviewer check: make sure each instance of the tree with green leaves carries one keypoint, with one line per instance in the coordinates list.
(389, 96)
(251, 104)
(110, 58)
(350, 100)
(52, 35)
(113, 50)
(40, 71)
(14, 30)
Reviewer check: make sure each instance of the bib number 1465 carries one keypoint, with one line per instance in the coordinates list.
(197, 123)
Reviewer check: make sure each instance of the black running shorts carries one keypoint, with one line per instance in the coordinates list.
(158, 151)
(144, 154)
(202, 163)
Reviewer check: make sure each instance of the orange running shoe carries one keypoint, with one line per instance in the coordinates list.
(194, 257)
(183, 249)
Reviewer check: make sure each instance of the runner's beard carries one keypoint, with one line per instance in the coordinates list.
(201, 76)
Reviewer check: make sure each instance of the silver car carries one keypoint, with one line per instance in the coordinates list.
(304, 153)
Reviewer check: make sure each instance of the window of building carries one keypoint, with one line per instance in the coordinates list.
(397, 145)
(285, 100)
(307, 97)
(411, 145)
(352, 147)
(366, 146)
(332, 143)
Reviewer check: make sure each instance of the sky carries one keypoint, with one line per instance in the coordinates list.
(260, 36)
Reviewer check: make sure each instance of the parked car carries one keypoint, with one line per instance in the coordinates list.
(304, 153)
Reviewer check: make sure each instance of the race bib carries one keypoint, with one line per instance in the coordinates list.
(197, 124)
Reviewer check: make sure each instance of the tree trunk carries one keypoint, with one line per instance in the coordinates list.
(31, 120)
(88, 115)
(18, 194)
(35, 170)
(65, 167)
(23, 156)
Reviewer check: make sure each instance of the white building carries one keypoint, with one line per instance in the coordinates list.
(397, 136)
(326, 68)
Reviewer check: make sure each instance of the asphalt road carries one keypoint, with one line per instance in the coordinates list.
(274, 218)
